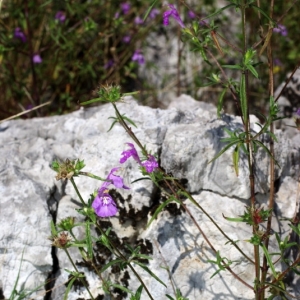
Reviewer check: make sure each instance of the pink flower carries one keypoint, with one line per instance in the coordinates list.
(138, 57)
(103, 204)
(150, 164)
(172, 13)
(125, 7)
(128, 153)
(19, 34)
(60, 16)
(191, 14)
(153, 13)
(126, 39)
(138, 21)
(281, 29)
(37, 59)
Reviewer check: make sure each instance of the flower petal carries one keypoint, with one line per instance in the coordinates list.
(104, 205)
(128, 153)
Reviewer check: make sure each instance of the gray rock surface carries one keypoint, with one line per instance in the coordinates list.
(186, 136)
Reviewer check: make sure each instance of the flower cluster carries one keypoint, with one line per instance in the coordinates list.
(103, 204)
(172, 12)
(150, 164)
(62, 240)
(19, 34)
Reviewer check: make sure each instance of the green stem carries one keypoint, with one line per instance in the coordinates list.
(82, 281)
(250, 152)
(272, 163)
(128, 129)
(91, 176)
(119, 254)
(77, 191)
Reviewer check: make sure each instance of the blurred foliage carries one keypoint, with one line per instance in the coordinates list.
(69, 48)
(81, 44)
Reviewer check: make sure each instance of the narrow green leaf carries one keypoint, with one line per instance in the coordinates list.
(149, 10)
(244, 148)
(112, 125)
(143, 256)
(220, 101)
(252, 70)
(295, 228)
(138, 293)
(230, 133)
(215, 273)
(122, 288)
(89, 240)
(267, 150)
(222, 151)
(220, 10)
(149, 271)
(270, 263)
(129, 121)
(78, 244)
(53, 229)
(207, 84)
(160, 208)
(235, 67)
(230, 139)
(203, 54)
(235, 157)
(70, 284)
(234, 219)
(243, 98)
(111, 263)
(266, 15)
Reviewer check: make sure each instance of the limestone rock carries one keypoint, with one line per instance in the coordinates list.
(186, 137)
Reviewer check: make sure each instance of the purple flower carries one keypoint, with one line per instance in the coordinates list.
(153, 13)
(138, 57)
(103, 204)
(126, 39)
(281, 29)
(116, 180)
(203, 23)
(277, 62)
(298, 113)
(191, 14)
(128, 153)
(19, 34)
(109, 64)
(60, 16)
(125, 7)
(172, 13)
(150, 164)
(138, 21)
(36, 59)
